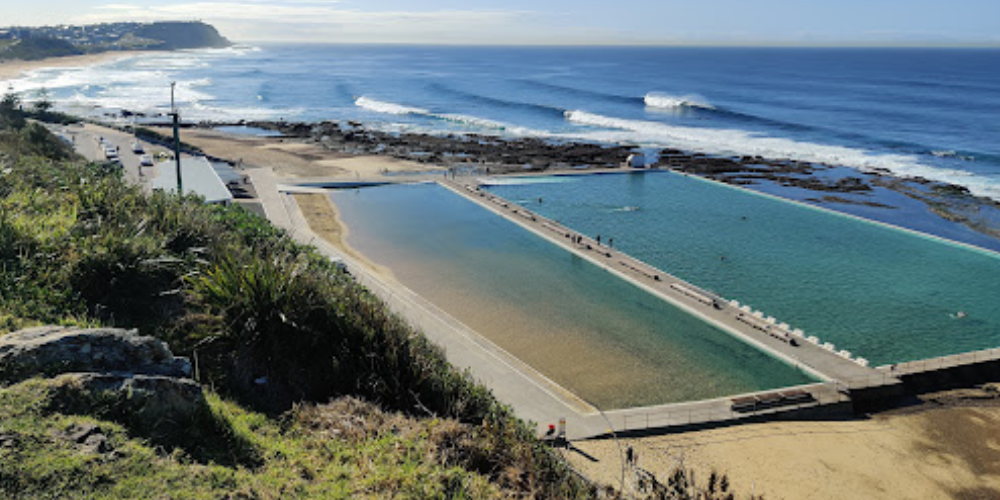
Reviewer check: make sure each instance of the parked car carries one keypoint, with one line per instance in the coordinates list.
(145, 161)
(111, 152)
(137, 148)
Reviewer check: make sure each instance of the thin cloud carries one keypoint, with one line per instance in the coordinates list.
(324, 20)
(304, 11)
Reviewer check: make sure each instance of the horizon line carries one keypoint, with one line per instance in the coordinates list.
(749, 45)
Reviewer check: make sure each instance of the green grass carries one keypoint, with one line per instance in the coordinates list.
(80, 246)
(302, 456)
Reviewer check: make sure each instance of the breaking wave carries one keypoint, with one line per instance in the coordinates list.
(388, 107)
(743, 143)
(952, 154)
(391, 108)
(660, 100)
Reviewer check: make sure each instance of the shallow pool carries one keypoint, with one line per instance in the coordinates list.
(595, 334)
(882, 293)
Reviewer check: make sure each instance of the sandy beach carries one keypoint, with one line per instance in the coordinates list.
(296, 159)
(10, 70)
(939, 450)
(324, 220)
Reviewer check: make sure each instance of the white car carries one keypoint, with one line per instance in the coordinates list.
(145, 161)
(137, 148)
(110, 152)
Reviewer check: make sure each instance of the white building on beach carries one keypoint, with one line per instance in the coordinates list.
(197, 176)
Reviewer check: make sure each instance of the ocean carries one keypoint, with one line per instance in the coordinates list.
(914, 112)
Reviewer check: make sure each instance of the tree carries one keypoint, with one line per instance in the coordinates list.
(43, 102)
(11, 114)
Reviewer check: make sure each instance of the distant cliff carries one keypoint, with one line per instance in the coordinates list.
(181, 35)
(31, 49)
(58, 41)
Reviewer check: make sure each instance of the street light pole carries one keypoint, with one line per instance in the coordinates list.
(177, 140)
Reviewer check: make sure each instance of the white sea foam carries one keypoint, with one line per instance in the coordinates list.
(952, 154)
(661, 100)
(740, 143)
(471, 120)
(142, 84)
(210, 111)
(388, 107)
(392, 108)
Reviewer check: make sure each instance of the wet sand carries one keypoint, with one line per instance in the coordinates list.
(324, 220)
(10, 70)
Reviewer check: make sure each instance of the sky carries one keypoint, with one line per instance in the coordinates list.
(644, 22)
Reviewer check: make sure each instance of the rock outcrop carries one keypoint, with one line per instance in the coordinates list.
(52, 350)
(106, 372)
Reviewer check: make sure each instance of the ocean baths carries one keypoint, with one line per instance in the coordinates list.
(604, 339)
(881, 293)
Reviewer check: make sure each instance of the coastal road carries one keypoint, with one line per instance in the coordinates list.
(86, 141)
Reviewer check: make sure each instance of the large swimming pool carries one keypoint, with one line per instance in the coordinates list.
(883, 293)
(595, 334)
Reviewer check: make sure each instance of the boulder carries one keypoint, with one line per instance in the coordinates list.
(89, 438)
(149, 402)
(52, 350)
(107, 373)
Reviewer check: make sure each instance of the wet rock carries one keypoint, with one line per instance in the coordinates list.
(501, 154)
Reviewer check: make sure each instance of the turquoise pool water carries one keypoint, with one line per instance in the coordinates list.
(882, 293)
(597, 335)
